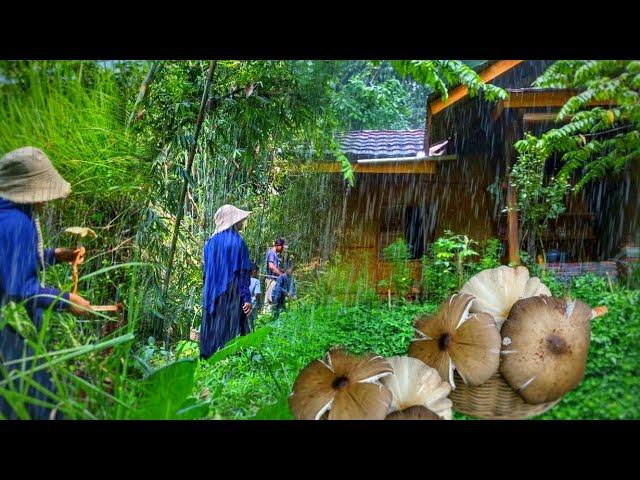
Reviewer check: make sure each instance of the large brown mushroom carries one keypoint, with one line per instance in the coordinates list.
(416, 412)
(497, 289)
(545, 342)
(454, 338)
(416, 384)
(347, 386)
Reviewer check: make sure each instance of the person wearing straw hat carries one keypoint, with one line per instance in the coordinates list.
(226, 303)
(27, 181)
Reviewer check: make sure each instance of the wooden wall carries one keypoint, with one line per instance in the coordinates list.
(455, 198)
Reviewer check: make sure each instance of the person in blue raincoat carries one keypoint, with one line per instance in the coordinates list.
(28, 180)
(226, 302)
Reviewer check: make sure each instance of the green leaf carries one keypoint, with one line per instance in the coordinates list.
(191, 409)
(251, 340)
(165, 391)
(276, 411)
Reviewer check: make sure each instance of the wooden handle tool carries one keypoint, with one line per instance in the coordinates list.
(108, 308)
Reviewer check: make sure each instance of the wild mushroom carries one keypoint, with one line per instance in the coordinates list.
(80, 233)
(416, 387)
(416, 412)
(545, 342)
(345, 385)
(454, 338)
(497, 289)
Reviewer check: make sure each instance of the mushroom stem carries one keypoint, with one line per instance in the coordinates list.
(74, 267)
(598, 311)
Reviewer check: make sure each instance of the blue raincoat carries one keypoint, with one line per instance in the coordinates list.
(227, 273)
(19, 268)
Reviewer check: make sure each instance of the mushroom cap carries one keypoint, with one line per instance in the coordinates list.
(545, 346)
(346, 385)
(81, 232)
(454, 338)
(497, 289)
(417, 412)
(415, 383)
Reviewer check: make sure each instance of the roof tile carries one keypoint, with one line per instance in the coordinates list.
(387, 143)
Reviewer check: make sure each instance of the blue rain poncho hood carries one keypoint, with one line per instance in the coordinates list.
(225, 254)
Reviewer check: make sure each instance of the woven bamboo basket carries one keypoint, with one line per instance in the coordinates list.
(494, 400)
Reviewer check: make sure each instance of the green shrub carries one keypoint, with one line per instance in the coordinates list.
(546, 276)
(450, 262)
(257, 380)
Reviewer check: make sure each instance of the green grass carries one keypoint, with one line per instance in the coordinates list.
(90, 371)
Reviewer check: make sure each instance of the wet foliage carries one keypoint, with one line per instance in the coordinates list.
(264, 124)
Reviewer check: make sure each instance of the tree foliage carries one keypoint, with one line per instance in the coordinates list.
(374, 96)
(597, 142)
(442, 75)
(600, 140)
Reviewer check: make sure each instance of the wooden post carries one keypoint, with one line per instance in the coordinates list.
(427, 131)
(513, 240)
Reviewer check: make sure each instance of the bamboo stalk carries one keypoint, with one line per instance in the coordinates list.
(144, 87)
(185, 184)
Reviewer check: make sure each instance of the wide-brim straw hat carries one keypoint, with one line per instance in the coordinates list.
(28, 176)
(227, 216)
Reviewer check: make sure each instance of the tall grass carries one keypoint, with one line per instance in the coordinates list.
(76, 114)
(90, 371)
(78, 125)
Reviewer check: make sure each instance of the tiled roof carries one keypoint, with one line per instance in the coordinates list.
(386, 143)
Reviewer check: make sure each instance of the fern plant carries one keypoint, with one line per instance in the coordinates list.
(444, 74)
(598, 141)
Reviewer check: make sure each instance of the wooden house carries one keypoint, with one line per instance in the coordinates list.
(453, 175)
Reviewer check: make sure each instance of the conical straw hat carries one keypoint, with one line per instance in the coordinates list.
(227, 216)
(27, 176)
